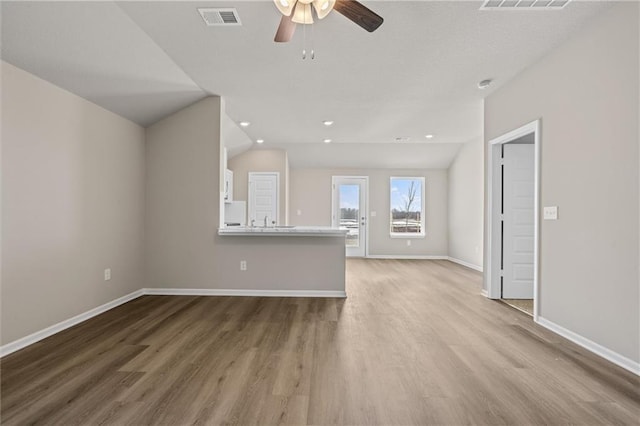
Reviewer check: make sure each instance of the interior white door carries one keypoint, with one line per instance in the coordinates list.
(263, 198)
(518, 221)
(350, 212)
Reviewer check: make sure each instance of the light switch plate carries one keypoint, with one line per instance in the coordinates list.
(550, 213)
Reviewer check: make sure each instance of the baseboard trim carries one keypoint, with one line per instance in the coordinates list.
(405, 257)
(592, 346)
(463, 263)
(243, 293)
(16, 345)
(484, 293)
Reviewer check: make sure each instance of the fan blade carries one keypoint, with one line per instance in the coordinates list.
(358, 13)
(285, 30)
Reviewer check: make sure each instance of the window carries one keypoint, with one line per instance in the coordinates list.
(407, 207)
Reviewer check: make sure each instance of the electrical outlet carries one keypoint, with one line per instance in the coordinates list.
(374, 214)
(408, 243)
(243, 265)
(550, 213)
(107, 274)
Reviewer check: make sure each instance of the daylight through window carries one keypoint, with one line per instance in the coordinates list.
(407, 206)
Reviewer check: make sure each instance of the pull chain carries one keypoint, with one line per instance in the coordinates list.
(313, 52)
(304, 39)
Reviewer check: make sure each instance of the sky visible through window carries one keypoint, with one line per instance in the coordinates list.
(400, 191)
(349, 196)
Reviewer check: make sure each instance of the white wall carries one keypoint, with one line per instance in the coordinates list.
(586, 95)
(311, 194)
(72, 204)
(466, 204)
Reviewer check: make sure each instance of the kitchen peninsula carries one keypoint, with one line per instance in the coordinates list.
(248, 231)
(291, 261)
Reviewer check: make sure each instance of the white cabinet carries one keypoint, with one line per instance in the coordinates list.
(228, 186)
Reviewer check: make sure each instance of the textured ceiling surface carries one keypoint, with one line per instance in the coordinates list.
(416, 75)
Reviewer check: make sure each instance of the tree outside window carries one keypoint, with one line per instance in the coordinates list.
(407, 206)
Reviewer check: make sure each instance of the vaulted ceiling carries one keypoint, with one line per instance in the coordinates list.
(416, 75)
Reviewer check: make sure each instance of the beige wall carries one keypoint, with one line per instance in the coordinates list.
(260, 160)
(586, 95)
(311, 194)
(466, 204)
(296, 263)
(72, 204)
(183, 196)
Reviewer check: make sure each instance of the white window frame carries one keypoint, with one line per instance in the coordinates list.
(423, 210)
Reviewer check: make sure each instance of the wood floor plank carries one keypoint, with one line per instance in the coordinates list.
(414, 343)
(69, 397)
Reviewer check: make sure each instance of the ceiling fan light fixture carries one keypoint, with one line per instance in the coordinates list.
(285, 6)
(302, 14)
(323, 7)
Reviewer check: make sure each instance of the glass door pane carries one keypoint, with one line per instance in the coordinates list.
(349, 212)
(349, 199)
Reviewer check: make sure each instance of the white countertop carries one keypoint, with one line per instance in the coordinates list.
(282, 231)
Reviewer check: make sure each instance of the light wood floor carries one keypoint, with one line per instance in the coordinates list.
(414, 343)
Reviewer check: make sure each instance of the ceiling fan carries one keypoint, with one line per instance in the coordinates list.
(300, 12)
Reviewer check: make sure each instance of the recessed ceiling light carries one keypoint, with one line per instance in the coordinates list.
(327, 141)
(429, 136)
(485, 83)
(245, 123)
(260, 141)
(327, 122)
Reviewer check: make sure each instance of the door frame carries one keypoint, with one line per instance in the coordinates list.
(249, 203)
(334, 179)
(494, 196)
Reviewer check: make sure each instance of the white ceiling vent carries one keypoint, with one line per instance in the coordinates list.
(524, 4)
(220, 17)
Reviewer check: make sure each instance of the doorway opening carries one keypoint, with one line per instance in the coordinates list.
(513, 212)
(349, 211)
